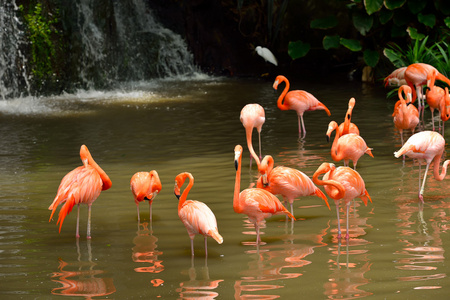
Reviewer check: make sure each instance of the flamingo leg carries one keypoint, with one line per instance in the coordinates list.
(258, 239)
(139, 218)
(150, 210)
(292, 209)
(338, 221)
(89, 223)
(206, 247)
(77, 233)
(347, 235)
(423, 183)
(432, 118)
(192, 247)
(301, 125)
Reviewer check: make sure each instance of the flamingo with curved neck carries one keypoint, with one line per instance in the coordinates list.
(256, 203)
(347, 126)
(196, 216)
(288, 182)
(406, 115)
(81, 185)
(348, 147)
(341, 183)
(297, 100)
(253, 116)
(426, 146)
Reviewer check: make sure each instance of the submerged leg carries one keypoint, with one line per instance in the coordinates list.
(423, 184)
(89, 222)
(150, 210)
(258, 239)
(206, 247)
(77, 232)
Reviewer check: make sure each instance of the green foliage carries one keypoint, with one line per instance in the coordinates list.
(39, 32)
(331, 41)
(419, 52)
(298, 49)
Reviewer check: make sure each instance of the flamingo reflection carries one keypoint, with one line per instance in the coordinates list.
(196, 288)
(145, 251)
(85, 280)
(265, 271)
(347, 278)
(420, 230)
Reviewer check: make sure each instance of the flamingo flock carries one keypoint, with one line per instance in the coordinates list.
(343, 184)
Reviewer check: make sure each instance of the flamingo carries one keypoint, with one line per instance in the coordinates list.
(300, 101)
(428, 146)
(397, 77)
(145, 186)
(419, 74)
(341, 183)
(438, 98)
(406, 116)
(196, 216)
(81, 185)
(253, 116)
(347, 126)
(348, 147)
(288, 182)
(256, 203)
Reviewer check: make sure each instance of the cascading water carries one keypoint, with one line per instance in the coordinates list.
(108, 43)
(13, 73)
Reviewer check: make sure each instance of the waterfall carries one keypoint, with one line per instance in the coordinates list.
(13, 73)
(107, 43)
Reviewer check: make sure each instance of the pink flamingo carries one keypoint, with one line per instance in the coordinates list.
(347, 126)
(348, 147)
(196, 216)
(341, 183)
(80, 186)
(406, 116)
(397, 77)
(288, 182)
(297, 100)
(438, 98)
(428, 146)
(257, 204)
(253, 116)
(145, 186)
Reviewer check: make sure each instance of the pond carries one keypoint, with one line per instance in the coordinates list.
(396, 248)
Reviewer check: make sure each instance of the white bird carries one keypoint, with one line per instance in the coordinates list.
(267, 55)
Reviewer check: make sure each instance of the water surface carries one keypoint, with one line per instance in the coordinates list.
(397, 248)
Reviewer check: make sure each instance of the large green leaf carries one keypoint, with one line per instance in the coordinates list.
(373, 6)
(298, 49)
(362, 22)
(416, 6)
(324, 23)
(395, 57)
(394, 4)
(331, 41)
(371, 57)
(429, 20)
(447, 21)
(353, 45)
(414, 34)
(385, 16)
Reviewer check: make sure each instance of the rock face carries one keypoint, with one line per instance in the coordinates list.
(221, 38)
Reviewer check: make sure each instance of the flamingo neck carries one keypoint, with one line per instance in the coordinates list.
(237, 184)
(436, 163)
(334, 154)
(183, 196)
(340, 188)
(87, 157)
(267, 165)
(248, 133)
(280, 103)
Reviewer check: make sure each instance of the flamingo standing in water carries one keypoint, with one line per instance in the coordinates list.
(419, 74)
(257, 204)
(428, 146)
(347, 126)
(145, 186)
(297, 100)
(253, 116)
(288, 182)
(406, 115)
(348, 147)
(438, 98)
(80, 186)
(196, 216)
(341, 183)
